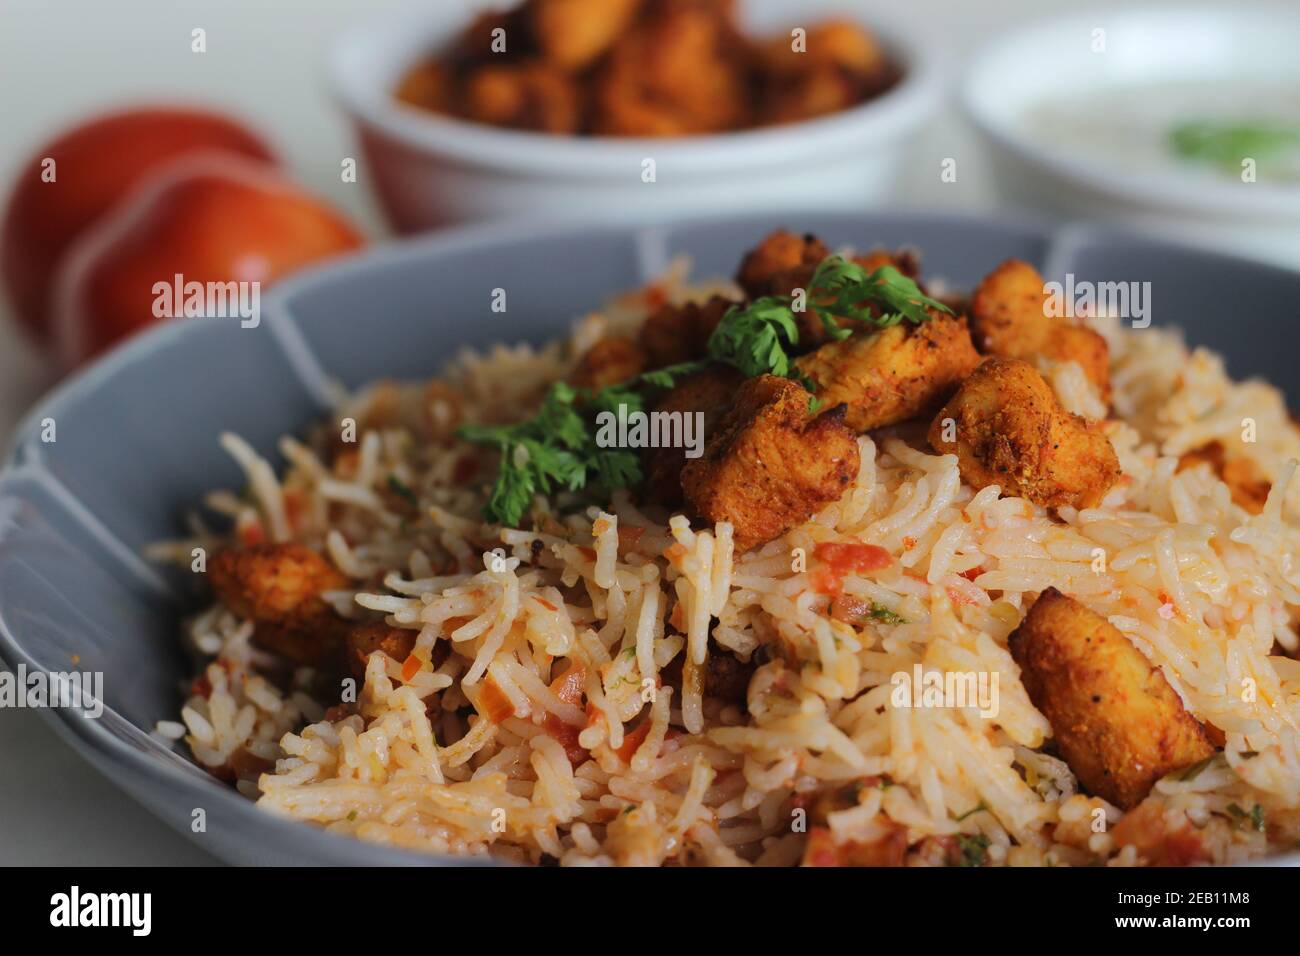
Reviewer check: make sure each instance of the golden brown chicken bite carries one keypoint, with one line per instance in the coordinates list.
(780, 263)
(1118, 723)
(784, 262)
(1008, 315)
(278, 587)
(768, 464)
(679, 332)
(494, 36)
(609, 361)
(840, 64)
(894, 374)
(428, 85)
(364, 639)
(709, 391)
(1007, 428)
(675, 72)
(839, 43)
(533, 96)
(573, 33)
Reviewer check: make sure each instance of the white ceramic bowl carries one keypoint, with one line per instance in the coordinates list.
(432, 171)
(1053, 61)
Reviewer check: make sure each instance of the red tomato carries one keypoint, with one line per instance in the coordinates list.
(94, 165)
(209, 220)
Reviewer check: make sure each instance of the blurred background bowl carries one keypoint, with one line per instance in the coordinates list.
(1076, 109)
(431, 171)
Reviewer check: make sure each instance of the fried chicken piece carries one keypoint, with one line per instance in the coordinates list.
(676, 72)
(1007, 428)
(905, 261)
(428, 85)
(709, 391)
(840, 43)
(768, 465)
(532, 96)
(572, 34)
(1118, 723)
(278, 587)
(1009, 318)
(780, 263)
(840, 65)
(784, 262)
(680, 332)
(894, 374)
(494, 36)
(609, 361)
(364, 639)
(1242, 476)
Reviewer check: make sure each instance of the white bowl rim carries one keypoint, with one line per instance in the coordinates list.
(896, 113)
(1218, 199)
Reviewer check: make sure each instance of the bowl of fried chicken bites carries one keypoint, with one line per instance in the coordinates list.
(578, 108)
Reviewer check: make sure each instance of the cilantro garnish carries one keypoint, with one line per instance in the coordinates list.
(974, 849)
(884, 615)
(556, 448)
(1255, 816)
(401, 488)
(972, 811)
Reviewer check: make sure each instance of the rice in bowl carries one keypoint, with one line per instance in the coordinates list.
(617, 684)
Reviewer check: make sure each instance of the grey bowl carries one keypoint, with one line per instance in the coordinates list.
(136, 436)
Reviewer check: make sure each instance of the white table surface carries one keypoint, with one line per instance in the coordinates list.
(61, 60)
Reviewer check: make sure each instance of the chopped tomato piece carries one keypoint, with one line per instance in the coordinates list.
(632, 741)
(251, 534)
(569, 687)
(410, 667)
(959, 597)
(846, 557)
(677, 617)
(493, 703)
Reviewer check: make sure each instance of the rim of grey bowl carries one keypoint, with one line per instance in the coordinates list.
(1211, 198)
(183, 775)
(896, 113)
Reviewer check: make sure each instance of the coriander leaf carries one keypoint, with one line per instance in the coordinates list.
(667, 376)
(884, 615)
(401, 488)
(537, 455)
(974, 849)
(754, 339)
(845, 289)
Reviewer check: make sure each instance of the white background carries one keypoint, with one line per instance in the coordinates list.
(62, 60)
